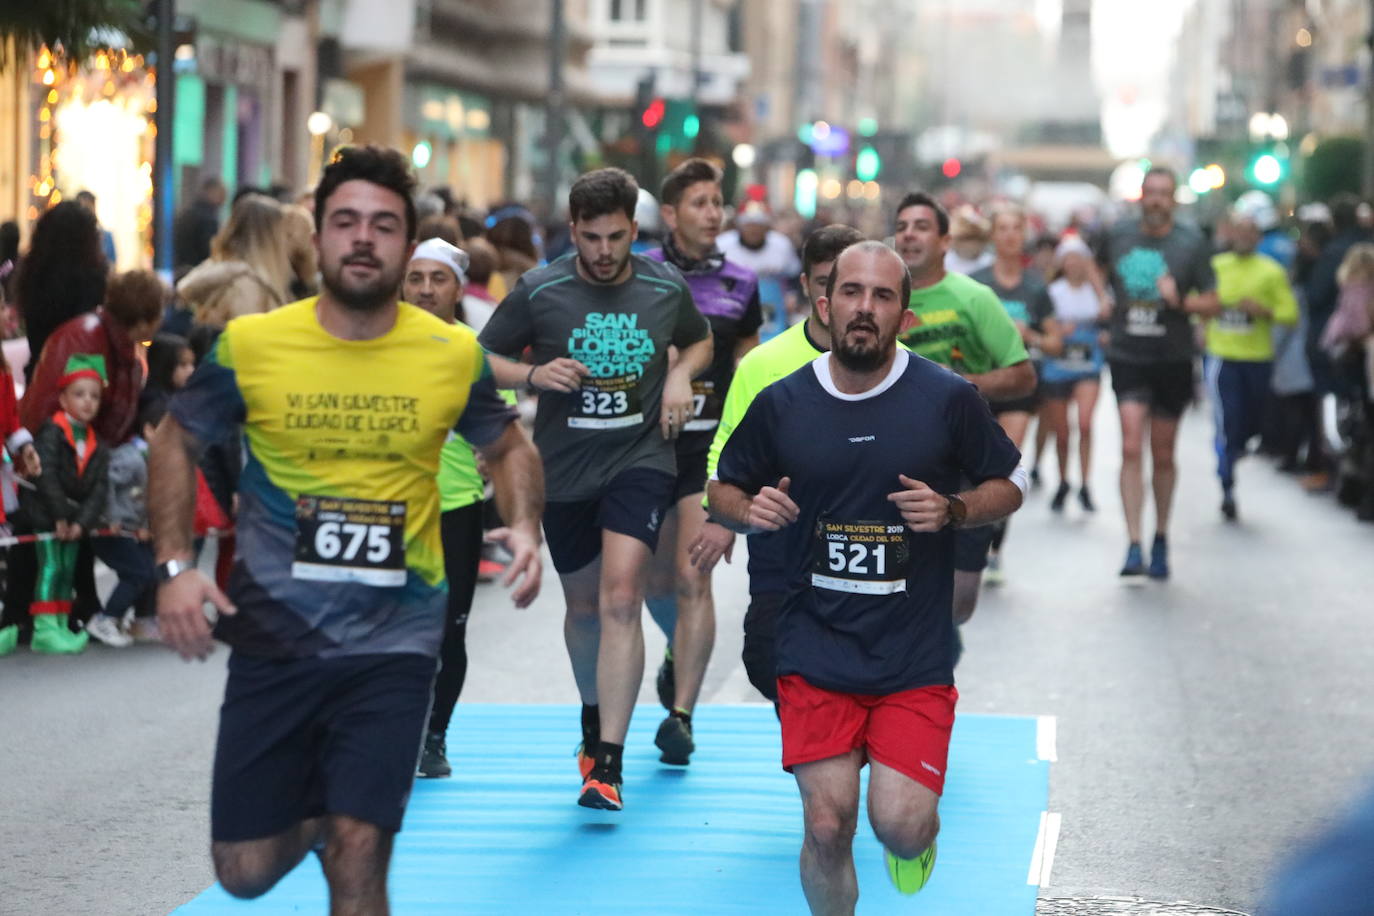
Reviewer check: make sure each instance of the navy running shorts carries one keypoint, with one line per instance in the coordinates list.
(633, 503)
(304, 737)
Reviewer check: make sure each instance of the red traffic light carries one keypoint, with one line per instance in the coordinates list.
(653, 115)
(951, 167)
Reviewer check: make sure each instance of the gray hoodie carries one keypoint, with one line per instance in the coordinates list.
(127, 503)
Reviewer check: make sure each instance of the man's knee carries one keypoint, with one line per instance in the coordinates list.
(244, 872)
(621, 603)
(356, 852)
(830, 827)
(909, 837)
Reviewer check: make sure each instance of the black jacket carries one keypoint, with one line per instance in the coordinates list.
(59, 494)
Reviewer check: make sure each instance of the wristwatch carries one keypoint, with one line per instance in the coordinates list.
(168, 571)
(956, 511)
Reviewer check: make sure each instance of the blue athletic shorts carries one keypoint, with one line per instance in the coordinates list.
(299, 738)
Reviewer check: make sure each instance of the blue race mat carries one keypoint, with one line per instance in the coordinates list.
(505, 836)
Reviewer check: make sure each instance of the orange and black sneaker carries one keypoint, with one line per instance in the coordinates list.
(584, 761)
(601, 789)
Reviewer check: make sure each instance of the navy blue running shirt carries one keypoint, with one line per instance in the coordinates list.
(869, 602)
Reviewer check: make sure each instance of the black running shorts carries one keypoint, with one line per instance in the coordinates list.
(1166, 388)
(299, 738)
(633, 504)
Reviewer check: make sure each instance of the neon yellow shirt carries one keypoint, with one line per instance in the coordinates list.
(1235, 335)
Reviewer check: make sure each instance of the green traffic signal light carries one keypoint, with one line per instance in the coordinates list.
(1266, 169)
(867, 164)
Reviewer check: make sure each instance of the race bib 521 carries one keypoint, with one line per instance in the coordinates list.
(860, 557)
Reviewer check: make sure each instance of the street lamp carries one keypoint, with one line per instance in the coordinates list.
(318, 124)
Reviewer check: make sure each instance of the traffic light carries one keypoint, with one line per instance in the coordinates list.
(652, 116)
(867, 164)
(1267, 169)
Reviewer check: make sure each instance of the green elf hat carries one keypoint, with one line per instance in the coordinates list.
(85, 365)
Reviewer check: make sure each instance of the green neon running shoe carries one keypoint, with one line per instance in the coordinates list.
(910, 875)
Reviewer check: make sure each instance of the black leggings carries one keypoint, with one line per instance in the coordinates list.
(461, 529)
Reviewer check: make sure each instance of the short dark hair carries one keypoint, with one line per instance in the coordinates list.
(1161, 170)
(825, 244)
(870, 245)
(603, 191)
(152, 407)
(438, 226)
(135, 296)
(1345, 212)
(693, 171)
(379, 165)
(922, 199)
(84, 195)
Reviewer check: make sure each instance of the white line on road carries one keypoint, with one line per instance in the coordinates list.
(1046, 842)
(1047, 738)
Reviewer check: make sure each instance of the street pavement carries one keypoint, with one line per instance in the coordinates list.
(1204, 725)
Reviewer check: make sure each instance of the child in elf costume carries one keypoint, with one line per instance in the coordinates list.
(68, 499)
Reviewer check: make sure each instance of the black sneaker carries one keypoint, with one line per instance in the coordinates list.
(1060, 495)
(1035, 478)
(433, 762)
(1228, 508)
(667, 681)
(1085, 500)
(674, 739)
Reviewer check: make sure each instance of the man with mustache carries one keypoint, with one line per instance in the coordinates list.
(335, 607)
(679, 592)
(599, 325)
(959, 323)
(1161, 275)
(856, 459)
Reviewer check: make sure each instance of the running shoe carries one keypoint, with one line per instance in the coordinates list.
(1035, 477)
(910, 875)
(1085, 500)
(489, 570)
(106, 629)
(1228, 508)
(1060, 495)
(1133, 570)
(993, 574)
(601, 789)
(433, 759)
(667, 681)
(674, 739)
(145, 629)
(584, 761)
(1159, 558)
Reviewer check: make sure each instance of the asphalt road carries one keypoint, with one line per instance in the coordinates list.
(1204, 725)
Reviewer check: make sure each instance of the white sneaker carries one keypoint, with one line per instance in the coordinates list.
(106, 629)
(145, 629)
(993, 574)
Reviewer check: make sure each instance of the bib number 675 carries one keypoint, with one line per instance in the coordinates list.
(330, 540)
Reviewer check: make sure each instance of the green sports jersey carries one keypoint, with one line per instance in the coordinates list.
(1235, 335)
(760, 367)
(961, 324)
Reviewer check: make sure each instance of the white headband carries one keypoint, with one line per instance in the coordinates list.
(451, 256)
(1072, 244)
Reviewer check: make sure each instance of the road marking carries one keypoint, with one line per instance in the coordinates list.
(1046, 738)
(1046, 843)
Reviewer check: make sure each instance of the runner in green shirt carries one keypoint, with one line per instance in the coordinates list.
(1252, 296)
(960, 323)
(759, 368)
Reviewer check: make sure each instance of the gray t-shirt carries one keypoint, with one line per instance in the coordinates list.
(622, 334)
(1144, 329)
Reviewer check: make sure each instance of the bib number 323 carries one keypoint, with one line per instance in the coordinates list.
(350, 540)
(862, 558)
(607, 403)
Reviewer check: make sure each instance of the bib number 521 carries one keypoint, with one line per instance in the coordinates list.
(857, 561)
